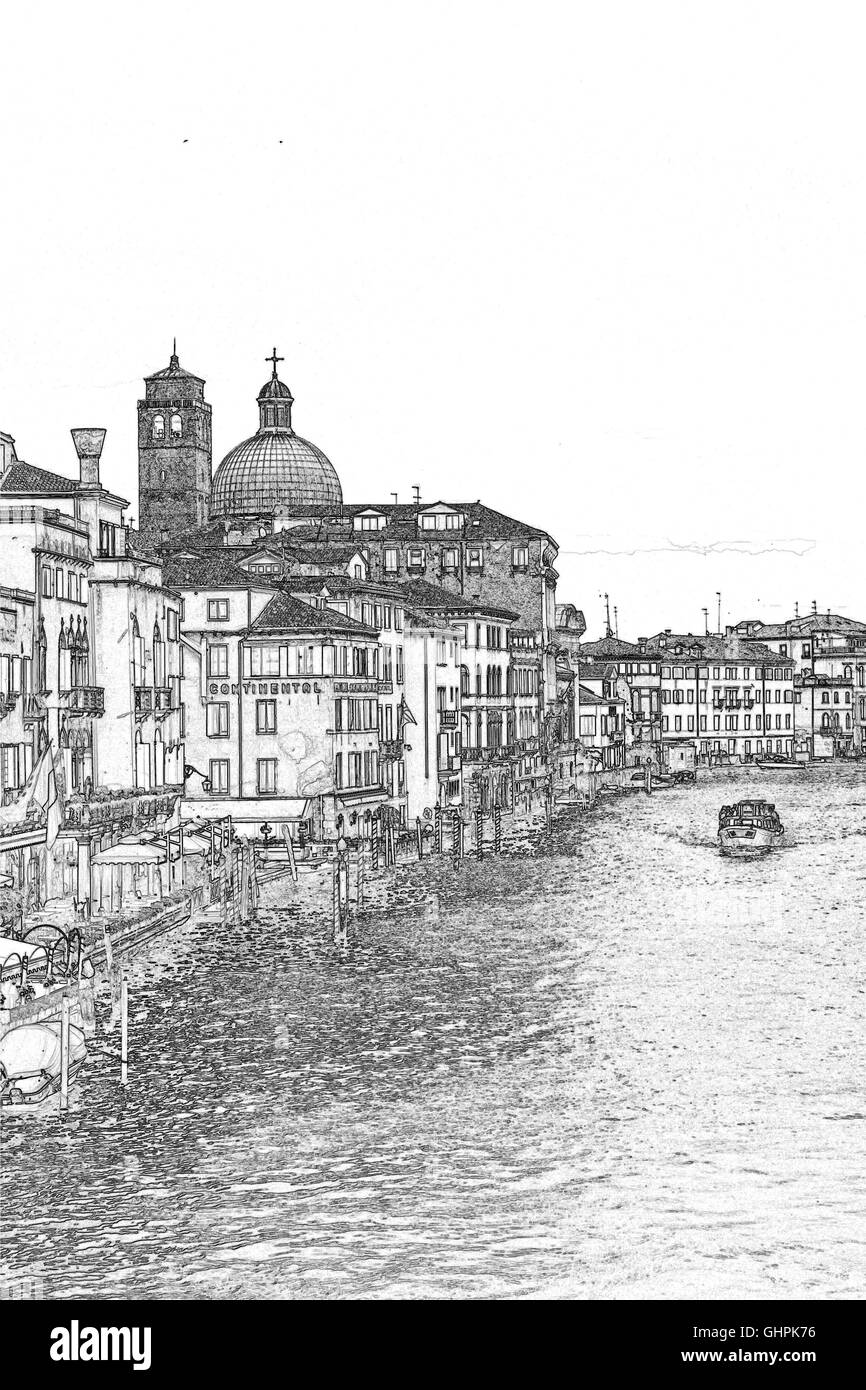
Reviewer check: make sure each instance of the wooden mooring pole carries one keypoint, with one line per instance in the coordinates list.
(64, 1052)
(124, 1032)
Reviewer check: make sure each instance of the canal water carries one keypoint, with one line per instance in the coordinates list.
(609, 1064)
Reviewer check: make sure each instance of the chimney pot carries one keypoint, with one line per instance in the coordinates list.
(88, 446)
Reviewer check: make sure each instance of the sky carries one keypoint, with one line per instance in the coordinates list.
(601, 266)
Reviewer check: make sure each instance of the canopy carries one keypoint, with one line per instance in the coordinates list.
(10, 947)
(131, 853)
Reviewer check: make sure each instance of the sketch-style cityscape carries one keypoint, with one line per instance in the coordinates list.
(263, 691)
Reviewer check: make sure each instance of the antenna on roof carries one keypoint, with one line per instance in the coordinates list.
(719, 612)
(796, 609)
(417, 492)
(706, 613)
(607, 629)
(815, 606)
(616, 621)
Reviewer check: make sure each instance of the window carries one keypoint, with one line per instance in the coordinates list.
(217, 659)
(391, 560)
(218, 719)
(475, 557)
(217, 610)
(266, 776)
(520, 557)
(266, 716)
(171, 624)
(587, 725)
(415, 558)
(450, 558)
(47, 582)
(369, 523)
(158, 429)
(265, 661)
(219, 776)
(176, 427)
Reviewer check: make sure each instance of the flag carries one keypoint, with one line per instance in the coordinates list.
(404, 714)
(18, 810)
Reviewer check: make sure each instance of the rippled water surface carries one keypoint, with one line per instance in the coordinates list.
(609, 1064)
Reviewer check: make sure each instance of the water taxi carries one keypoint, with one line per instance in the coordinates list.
(749, 826)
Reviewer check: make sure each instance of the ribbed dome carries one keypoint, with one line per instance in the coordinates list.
(275, 390)
(275, 471)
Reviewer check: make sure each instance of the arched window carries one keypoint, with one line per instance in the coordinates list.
(176, 427)
(158, 430)
(137, 653)
(158, 657)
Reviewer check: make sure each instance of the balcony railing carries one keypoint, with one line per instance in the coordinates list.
(34, 706)
(391, 748)
(154, 700)
(448, 718)
(83, 700)
(8, 701)
(451, 762)
(122, 809)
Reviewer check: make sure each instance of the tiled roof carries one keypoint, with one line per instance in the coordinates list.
(24, 477)
(431, 598)
(804, 627)
(612, 648)
(712, 648)
(206, 572)
(285, 613)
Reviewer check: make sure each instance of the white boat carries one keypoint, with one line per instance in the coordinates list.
(30, 1061)
(749, 826)
(780, 765)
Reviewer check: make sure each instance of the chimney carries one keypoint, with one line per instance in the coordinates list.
(815, 607)
(642, 644)
(88, 446)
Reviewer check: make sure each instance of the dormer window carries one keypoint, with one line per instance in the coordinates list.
(370, 521)
(158, 428)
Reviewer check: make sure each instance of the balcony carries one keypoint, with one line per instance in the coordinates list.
(390, 749)
(124, 810)
(450, 763)
(34, 706)
(8, 701)
(83, 701)
(152, 700)
(448, 718)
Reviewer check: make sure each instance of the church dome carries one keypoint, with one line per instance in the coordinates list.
(276, 471)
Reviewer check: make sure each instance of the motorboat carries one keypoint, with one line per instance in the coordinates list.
(780, 764)
(748, 826)
(30, 1061)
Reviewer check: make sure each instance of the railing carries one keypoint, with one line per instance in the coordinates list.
(448, 718)
(391, 748)
(8, 701)
(152, 700)
(121, 809)
(452, 762)
(34, 706)
(83, 699)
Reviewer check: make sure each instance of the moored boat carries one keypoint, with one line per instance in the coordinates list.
(30, 1061)
(781, 764)
(748, 826)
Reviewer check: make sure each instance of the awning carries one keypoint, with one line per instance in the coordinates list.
(248, 816)
(10, 947)
(131, 853)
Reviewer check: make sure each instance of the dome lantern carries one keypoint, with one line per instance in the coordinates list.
(275, 400)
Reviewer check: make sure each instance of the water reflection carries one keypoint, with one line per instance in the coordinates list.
(614, 1064)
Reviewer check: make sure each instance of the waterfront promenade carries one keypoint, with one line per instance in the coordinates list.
(610, 1063)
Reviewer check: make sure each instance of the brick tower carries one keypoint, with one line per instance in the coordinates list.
(174, 453)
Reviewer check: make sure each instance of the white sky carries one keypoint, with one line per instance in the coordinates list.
(600, 265)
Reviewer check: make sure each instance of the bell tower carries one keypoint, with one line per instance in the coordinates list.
(174, 453)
